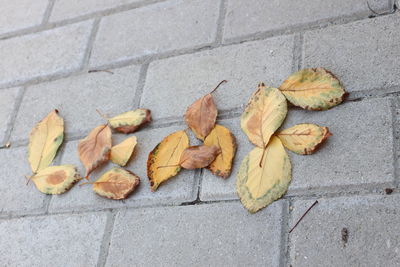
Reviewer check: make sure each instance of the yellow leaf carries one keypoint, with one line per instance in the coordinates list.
(263, 115)
(313, 89)
(56, 179)
(166, 153)
(225, 140)
(44, 141)
(116, 183)
(95, 148)
(258, 186)
(304, 138)
(130, 121)
(121, 153)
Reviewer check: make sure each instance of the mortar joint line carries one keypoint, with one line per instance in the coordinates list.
(47, 13)
(105, 244)
(140, 86)
(90, 44)
(14, 114)
(220, 23)
(283, 259)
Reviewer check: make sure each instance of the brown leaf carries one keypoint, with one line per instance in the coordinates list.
(94, 149)
(195, 157)
(202, 114)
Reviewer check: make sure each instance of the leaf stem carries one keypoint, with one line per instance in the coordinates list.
(102, 115)
(159, 167)
(221, 82)
(305, 213)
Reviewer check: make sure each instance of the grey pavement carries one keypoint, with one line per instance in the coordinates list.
(117, 55)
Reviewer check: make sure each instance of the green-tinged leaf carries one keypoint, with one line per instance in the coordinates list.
(313, 89)
(264, 176)
(56, 180)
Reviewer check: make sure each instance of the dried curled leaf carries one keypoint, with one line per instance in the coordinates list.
(263, 115)
(313, 89)
(258, 186)
(121, 153)
(56, 180)
(196, 157)
(95, 148)
(44, 141)
(304, 138)
(116, 183)
(225, 140)
(130, 121)
(166, 153)
(202, 114)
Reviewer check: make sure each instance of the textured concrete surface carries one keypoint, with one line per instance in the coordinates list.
(20, 14)
(69, 9)
(373, 237)
(77, 99)
(244, 18)
(360, 64)
(190, 236)
(197, 74)
(51, 52)
(117, 55)
(60, 240)
(163, 27)
(9, 96)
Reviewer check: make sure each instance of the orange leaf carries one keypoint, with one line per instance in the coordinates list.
(202, 114)
(94, 149)
(195, 157)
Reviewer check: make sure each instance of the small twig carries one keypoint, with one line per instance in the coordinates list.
(224, 81)
(108, 71)
(305, 213)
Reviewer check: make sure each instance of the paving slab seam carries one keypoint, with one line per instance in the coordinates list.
(48, 11)
(15, 215)
(139, 60)
(89, 46)
(220, 23)
(46, 25)
(302, 28)
(297, 52)
(140, 86)
(284, 234)
(105, 243)
(396, 135)
(287, 235)
(14, 113)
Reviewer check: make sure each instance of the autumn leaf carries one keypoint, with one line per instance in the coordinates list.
(196, 157)
(313, 89)
(130, 121)
(56, 180)
(44, 141)
(304, 138)
(225, 140)
(116, 183)
(166, 153)
(202, 114)
(258, 186)
(263, 115)
(94, 149)
(121, 153)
